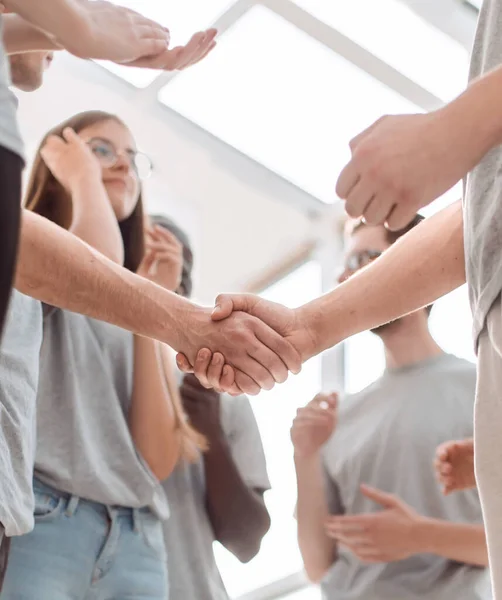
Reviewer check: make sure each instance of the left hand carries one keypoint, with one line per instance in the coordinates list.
(401, 164)
(202, 407)
(384, 536)
(163, 260)
(180, 57)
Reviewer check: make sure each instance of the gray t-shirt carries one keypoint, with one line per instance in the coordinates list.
(84, 446)
(193, 574)
(10, 136)
(483, 186)
(387, 437)
(19, 363)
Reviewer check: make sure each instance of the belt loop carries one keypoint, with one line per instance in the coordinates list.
(72, 505)
(136, 523)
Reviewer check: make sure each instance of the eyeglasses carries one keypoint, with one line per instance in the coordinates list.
(359, 260)
(108, 157)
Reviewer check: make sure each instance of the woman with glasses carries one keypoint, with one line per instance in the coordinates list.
(107, 431)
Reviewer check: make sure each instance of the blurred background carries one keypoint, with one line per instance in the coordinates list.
(247, 147)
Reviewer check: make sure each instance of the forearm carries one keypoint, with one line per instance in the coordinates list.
(456, 541)
(20, 36)
(318, 551)
(59, 269)
(93, 219)
(422, 266)
(61, 18)
(237, 513)
(152, 420)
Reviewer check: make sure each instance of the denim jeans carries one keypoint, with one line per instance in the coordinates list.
(82, 550)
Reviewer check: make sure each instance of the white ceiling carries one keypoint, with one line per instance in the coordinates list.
(248, 146)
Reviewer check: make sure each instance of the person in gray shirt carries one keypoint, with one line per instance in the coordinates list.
(218, 496)
(373, 523)
(105, 421)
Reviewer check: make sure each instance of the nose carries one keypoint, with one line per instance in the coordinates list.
(123, 163)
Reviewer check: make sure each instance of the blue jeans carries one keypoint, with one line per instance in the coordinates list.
(82, 550)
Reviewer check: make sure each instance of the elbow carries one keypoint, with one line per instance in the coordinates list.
(160, 466)
(315, 573)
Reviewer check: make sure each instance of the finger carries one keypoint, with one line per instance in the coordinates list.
(227, 382)
(183, 363)
(71, 136)
(387, 500)
(215, 370)
(148, 49)
(148, 262)
(196, 60)
(246, 383)
(284, 356)
(266, 357)
(347, 180)
(148, 30)
(326, 401)
(226, 304)
(359, 198)
(168, 236)
(201, 365)
(258, 372)
(355, 540)
(345, 527)
(399, 217)
(377, 211)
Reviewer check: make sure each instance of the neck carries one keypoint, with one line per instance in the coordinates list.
(407, 343)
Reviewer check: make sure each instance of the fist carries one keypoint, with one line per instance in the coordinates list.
(454, 465)
(314, 424)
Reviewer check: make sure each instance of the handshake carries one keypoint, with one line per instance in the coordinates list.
(245, 344)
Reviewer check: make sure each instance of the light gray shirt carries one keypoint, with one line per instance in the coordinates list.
(84, 446)
(10, 136)
(387, 438)
(483, 186)
(19, 364)
(193, 574)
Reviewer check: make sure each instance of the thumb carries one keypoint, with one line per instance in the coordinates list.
(382, 498)
(226, 304)
(183, 363)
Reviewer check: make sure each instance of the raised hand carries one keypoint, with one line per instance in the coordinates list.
(314, 425)
(180, 57)
(163, 260)
(454, 465)
(292, 324)
(70, 160)
(402, 163)
(383, 536)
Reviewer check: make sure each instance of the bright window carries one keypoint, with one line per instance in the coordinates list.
(284, 99)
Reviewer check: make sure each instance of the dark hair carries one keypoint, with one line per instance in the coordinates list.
(47, 197)
(186, 276)
(393, 236)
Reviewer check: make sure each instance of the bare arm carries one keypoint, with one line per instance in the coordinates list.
(421, 267)
(318, 551)
(152, 419)
(20, 36)
(460, 542)
(56, 267)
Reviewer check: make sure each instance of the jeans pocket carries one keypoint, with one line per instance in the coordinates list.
(47, 506)
(151, 530)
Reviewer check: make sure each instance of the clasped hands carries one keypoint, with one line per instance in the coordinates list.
(250, 344)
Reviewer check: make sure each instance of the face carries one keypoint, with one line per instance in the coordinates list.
(112, 139)
(28, 69)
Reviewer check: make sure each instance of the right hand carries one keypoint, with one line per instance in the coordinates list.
(314, 425)
(454, 465)
(70, 159)
(292, 324)
(257, 355)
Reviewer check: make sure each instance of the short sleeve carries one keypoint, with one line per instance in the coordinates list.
(245, 442)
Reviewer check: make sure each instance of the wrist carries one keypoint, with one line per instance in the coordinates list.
(306, 459)
(422, 535)
(320, 322)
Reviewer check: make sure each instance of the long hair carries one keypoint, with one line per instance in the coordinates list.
(47, 197)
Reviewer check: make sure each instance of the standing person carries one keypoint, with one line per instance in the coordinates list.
(372, 521)
(219, 495)
(106, 426)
